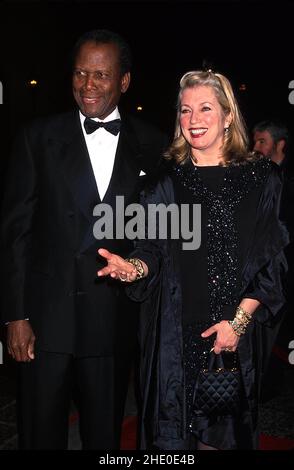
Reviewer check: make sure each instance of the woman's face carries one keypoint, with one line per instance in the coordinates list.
(202, 120)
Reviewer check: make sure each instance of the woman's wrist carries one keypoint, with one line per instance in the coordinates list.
(140, 266)
(241, 321)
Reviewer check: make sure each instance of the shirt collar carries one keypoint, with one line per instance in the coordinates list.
(114, 115)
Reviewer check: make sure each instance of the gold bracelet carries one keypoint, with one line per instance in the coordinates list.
(243, 313)
(237, 327)
(137, 263)
(241, 321)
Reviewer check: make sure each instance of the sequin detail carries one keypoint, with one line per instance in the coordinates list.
(222, 241)
(195, 358)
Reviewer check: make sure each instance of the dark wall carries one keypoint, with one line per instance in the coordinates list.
(249, 42)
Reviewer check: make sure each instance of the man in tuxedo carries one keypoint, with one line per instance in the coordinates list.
(68, 329)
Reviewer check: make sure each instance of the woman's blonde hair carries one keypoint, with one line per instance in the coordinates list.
(235, 146)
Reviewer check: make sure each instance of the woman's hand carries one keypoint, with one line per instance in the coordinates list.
(226, 339)
(117, 267)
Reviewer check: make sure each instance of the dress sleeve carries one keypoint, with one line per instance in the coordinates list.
(151, 251)
(267, 262)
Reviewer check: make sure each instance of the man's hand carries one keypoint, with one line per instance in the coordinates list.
(20, 340)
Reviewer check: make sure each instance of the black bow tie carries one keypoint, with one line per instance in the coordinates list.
(111, 126)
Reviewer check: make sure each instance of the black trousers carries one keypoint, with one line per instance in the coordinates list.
(46, 387)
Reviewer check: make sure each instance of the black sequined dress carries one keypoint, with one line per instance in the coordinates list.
(210, 275)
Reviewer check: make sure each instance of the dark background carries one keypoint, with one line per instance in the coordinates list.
(250, 42)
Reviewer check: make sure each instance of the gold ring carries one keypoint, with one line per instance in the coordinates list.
(123, 279)
(228, 350)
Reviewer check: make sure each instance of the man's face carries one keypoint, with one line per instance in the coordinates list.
(97, 81)
(264, 143)
(202, 120)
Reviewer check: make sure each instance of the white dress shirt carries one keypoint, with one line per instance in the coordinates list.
(102, 147)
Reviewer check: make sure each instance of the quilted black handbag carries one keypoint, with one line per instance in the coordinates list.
(218, 389)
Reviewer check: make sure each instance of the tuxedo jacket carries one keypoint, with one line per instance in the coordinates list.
(49, 253)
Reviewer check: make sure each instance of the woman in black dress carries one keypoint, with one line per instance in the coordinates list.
(226, 294)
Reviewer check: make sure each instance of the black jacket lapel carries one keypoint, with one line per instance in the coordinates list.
(127, 165)
(77, 168)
